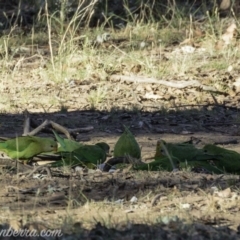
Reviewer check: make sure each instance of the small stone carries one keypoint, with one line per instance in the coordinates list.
(133, 199)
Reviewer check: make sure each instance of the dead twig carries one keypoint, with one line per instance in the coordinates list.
(46, 157)
(26, 125)
(174, 84)
(60, 128)
(47, 126)
(155, 199)
(31, 172)
(38, 129)
(81, 130)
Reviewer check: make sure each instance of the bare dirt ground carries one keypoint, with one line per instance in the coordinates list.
(97, 205)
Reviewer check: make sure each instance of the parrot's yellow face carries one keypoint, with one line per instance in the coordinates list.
(159, 150)
(54, 147)
(50, 146)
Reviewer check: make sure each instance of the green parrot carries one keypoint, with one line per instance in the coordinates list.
(227, 160)
(183, 152)
(27, 147)
(168, 156)
(66, 145)
(127, 145)
(86, 155)
(162, 160)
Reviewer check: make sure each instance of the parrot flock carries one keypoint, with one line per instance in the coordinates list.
(210, 158)
(168, 156)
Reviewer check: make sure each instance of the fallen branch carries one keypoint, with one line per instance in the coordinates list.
(26, 125)
(38, 129)
(31, 172)
(47, 128)
(174, 84)
(61, 129)
(81, 130)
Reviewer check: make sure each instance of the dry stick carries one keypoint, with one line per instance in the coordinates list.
(39, 128)
(54, 125)
(81, 130)
(174, 84)
(68, 132)
(46, 157)
(47, 123)
(61, 129)
(31, 172)
(72, 131)
(215, 100)
(155, 199)
(26, 124)
(28, 190)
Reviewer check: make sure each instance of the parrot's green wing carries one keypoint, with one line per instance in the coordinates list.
(27, 147)
(127, 145)
(184, 155)
(183, 152)
(86, 155)
(227, 160)
(66, 145)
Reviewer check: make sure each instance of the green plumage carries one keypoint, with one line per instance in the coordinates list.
(183, 152)
(127, 145)
(66, 145)
(227, 160)
(27, 147)
(169, 155)
(86, 155)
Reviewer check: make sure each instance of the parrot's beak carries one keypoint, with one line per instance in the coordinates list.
(55, 149)
(58, 145)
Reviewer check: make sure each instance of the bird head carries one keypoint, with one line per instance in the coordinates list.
(103, 146)
(50, 145)
(159, 150)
